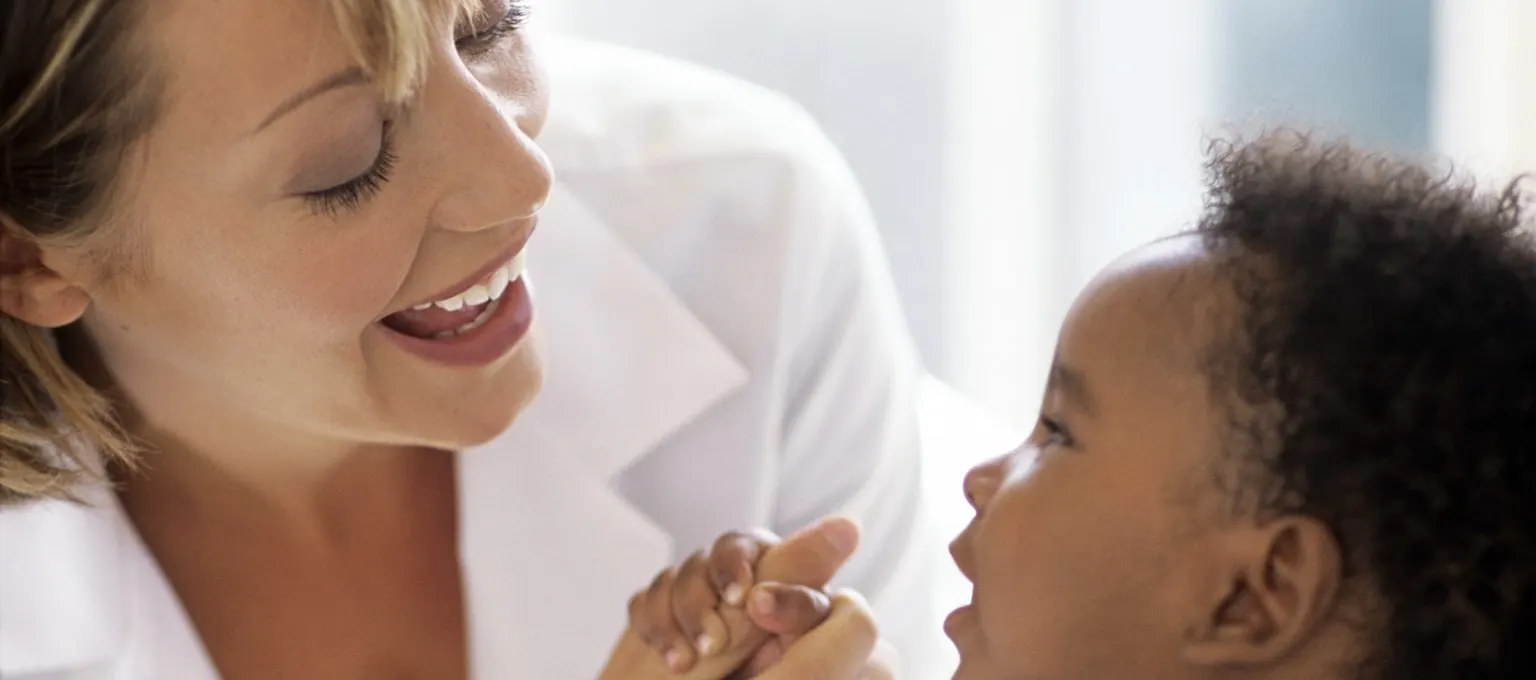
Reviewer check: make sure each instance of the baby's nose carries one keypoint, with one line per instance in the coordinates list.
(982, 482)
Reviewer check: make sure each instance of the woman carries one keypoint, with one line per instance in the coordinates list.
(263, 269)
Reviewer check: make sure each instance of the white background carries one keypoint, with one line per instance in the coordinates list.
(1011, 148)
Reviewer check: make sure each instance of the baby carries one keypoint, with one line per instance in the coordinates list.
(1296, 442)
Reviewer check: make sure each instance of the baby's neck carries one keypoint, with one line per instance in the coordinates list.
(1331, 653)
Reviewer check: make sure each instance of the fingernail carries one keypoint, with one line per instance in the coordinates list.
(675, 659)
(733, 594)
(843, 535)
(706, 644)
(764, 601)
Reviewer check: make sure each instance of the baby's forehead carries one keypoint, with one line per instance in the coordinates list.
(1165, 303)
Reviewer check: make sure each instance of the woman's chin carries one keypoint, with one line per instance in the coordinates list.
(476, 417)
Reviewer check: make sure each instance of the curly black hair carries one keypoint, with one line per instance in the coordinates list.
(1388, 333)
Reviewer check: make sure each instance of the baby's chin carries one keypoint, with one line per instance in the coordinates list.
(973, 668)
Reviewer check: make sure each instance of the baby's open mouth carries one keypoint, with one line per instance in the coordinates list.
(461, 312)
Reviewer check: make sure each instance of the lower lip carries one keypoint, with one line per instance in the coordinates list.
(494, 339)
(958, 619)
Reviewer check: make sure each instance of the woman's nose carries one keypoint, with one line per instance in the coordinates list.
(497, 173)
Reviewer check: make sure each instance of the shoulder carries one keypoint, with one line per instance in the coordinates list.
(696, 169)
(729, 192)
(615, 108)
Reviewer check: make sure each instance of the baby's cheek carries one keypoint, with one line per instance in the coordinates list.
(1014, 568)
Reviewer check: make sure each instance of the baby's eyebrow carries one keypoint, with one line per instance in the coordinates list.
(1073, 385)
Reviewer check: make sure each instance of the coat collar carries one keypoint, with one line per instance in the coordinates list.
(627, 364)
(61, 597)
(551, 551)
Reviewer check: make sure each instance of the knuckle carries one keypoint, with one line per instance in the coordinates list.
(662, 581)
(694, 563)
(857, 614)
(761, 539)
(727, 541)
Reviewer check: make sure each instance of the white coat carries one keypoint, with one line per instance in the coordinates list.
(723, 351)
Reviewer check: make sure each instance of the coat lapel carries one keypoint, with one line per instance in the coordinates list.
(551, 551)
(62, 601)
(87, 598)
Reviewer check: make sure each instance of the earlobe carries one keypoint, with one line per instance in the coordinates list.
(29, 289)
(1282, 588)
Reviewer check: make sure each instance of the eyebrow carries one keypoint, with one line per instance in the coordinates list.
(1072, 385)
(348, 78)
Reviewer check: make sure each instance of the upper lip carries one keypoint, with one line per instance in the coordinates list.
(506, 255)
(955, 549)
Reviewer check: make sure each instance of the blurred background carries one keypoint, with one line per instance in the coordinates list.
(1011, 148)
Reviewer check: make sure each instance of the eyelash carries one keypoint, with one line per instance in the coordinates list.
(1056, 433)
(351, 195)
(476, 44)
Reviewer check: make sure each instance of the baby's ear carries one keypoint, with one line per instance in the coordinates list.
(1281, 586)
(30, 289)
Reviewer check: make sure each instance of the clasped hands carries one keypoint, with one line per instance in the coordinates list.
(755, 606)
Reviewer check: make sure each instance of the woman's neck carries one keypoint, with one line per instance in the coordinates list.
(349, 497)
(231, 466)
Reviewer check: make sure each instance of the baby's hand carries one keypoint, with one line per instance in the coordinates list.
(680, 614)
(714, 605)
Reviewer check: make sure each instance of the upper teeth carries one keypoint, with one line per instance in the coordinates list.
(488, 289)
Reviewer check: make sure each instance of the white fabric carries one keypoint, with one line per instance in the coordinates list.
(723, 352)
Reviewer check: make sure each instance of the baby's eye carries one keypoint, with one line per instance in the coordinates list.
(1055, 434)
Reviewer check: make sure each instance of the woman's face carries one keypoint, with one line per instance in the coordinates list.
(279, 216)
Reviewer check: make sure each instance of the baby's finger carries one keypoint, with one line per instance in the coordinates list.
(787, 610)
(693, 607)
(660, 629)
(733, 560)
(639, 619)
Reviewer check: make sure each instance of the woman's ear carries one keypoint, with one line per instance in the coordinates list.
(30, 290)
(1281, 588)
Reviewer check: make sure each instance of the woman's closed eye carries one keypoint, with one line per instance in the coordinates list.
(508, 16)
(351, 194)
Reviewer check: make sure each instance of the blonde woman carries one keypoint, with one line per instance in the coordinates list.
(267, 328)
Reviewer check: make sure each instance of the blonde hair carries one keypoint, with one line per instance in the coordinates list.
(73, 99)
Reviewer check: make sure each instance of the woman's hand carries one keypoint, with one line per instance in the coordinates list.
(705, 607)
(845, 646)
(683, 614)
(719, 616)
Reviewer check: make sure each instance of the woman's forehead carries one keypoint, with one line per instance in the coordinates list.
(235, 59)
(230, 62)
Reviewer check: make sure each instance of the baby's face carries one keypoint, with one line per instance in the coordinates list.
(1091, 550)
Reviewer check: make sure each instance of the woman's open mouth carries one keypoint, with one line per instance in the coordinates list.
(475, 325)
(462, 312)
